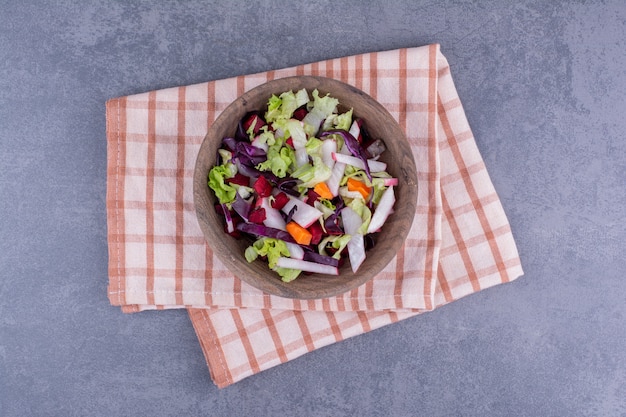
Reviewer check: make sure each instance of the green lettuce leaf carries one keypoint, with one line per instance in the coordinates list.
(225, 193)
(321, 109)
(287, 274)
(279, 159)
(272, 249)
(314, 147)
(283, 106)
(269, 247)
(302, 97)
(273, 108)
(343, 121)
(266, 136)
(360, 208)
(295, 129)
(226, 155)
(338, 121)
(324, 105)
(325, 206)
(338, 242)
(356, 173)
(251, 254)
(379, 189)
(310, 175)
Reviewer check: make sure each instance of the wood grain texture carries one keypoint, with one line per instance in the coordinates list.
(400, 163)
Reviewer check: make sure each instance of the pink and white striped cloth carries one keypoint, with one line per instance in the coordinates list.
(460, 241)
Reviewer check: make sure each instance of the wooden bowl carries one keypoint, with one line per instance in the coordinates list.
(400, 164)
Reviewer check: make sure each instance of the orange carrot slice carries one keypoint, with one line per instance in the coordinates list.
(323, 191)
(299, 233)
(356, 185)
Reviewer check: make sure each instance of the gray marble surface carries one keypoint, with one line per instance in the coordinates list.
(544, 88)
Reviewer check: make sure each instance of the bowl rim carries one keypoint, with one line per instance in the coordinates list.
(237, 264)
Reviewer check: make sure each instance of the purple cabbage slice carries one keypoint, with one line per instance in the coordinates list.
(245, 156)
(240, 134)
(264, 231)
(244, 152)
(246, 170)
(249, 155)
(287, 185)
(331, 225)
(241, 207)
(320, 259)
(230, 143)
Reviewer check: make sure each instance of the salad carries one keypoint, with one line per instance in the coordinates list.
(305, 182)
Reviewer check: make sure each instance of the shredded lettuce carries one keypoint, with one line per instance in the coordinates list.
(356, 173)
(283, 106)
(379, 189)
(287, 274)
(288, 105)
(314, 147)
(338, 242)
(279, 159)
(273, 106)
(311, 175)
(324, 105)
(266, 136)
(326, 202)
(348, 195)
(295, 129)
(341, 121)
(251, 254)
(329, 123)
(302, 97)
(266, 246)
(244, 191)
(344, 121)
(322, 205)
(217, 181)
(321, 109)
(250, 131)
(225, 155)
(360, 208)
(280, 107)
(272, 249)
(381, 174)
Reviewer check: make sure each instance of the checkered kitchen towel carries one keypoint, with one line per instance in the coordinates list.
(460, 241)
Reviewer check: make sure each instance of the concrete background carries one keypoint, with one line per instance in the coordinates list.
(543, 84)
